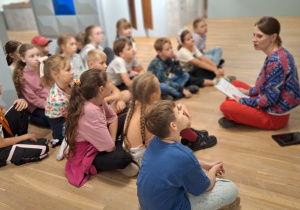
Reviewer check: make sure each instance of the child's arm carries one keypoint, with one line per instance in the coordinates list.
(126, 79)
(212, 173)
(139, 68)
(5, 142)
(33, 98)
(113, 128)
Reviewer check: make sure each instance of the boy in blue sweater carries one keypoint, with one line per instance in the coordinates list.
(165, 63)
(171, 177)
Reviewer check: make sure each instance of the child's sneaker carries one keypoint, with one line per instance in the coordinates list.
(131, 170)
(62, 150)
(203, 143)
(200, 134)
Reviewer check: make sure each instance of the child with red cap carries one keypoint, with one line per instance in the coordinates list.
(43, 45)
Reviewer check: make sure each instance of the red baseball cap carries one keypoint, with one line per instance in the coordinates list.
(40, 40)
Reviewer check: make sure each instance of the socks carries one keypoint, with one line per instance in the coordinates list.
(188, 134)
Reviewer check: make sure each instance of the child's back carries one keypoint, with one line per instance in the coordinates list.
(174, 166)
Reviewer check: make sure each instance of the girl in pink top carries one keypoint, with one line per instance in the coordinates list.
(28, 84)
(92, 128)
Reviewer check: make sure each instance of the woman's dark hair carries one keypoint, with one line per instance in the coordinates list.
(10, 47)
(270, 25)
(83, 90)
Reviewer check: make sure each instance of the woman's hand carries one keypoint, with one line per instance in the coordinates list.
(246, 92)
(236, 98)
(21, 104)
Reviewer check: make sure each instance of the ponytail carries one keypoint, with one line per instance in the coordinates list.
(18, 77)
(75, 106)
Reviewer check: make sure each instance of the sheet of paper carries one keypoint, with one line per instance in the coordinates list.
(229, 89)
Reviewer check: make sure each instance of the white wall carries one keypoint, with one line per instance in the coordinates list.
(252, 8)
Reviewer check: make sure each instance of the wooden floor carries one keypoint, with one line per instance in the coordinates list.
(266, 174)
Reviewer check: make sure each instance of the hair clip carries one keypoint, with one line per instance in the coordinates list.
(41, 60)
(77, 82)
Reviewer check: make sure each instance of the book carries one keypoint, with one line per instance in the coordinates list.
(230, 90)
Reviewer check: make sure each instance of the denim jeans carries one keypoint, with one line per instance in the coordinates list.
(180, 80)
(214, 54)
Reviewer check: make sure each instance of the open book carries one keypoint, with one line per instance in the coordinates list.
(229, 89)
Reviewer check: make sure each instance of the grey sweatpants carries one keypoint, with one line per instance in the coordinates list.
(223, 193)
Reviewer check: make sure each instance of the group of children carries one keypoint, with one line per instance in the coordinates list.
(83, 98)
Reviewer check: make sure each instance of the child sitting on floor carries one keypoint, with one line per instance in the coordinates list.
(92, 129)
(28, 84)
(16, 145)
(171, 177)
(59, 75)
(165, 63)
(96, 59)
(145, 91)
(119, 69)
(199, 35)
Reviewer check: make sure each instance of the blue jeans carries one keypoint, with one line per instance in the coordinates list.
(39, 118)
(180, 80)
(214, 54)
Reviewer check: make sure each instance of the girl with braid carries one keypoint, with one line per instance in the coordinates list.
(145, 91)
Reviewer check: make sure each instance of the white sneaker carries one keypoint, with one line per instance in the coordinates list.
(131, 170)
(137, 154)
(62, 150)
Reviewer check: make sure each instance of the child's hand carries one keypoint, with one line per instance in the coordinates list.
(185, 111)
(32, 137)
(218, 169)
(221, 72)
(120, 105)
(20, 104)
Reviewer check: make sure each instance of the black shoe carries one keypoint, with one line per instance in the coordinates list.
(222, 61)
(202, 133)
(225, 123)
(185, 141)
(167, 97)
(203, 143)
(193, 89)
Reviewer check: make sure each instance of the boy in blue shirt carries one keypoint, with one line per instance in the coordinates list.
(171, 177)
(165, 63)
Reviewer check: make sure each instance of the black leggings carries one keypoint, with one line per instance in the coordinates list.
(25, 151)
(117, 159)
(197, 76)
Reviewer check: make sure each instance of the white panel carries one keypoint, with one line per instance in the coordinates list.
(87, 20)
(43, 7)
(84, 7)
(67, 24)
(47, 26)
